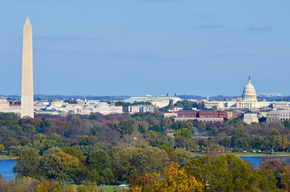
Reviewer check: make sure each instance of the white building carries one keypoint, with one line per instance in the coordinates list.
(250, 117)
(140, 109)
(248, 100)
(278, 116)
(105, 108)
(158, 101)
(58, 107)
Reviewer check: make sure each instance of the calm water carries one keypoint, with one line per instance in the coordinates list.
(255, 161)
(6, 166)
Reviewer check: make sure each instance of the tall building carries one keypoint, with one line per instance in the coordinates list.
(27, 72)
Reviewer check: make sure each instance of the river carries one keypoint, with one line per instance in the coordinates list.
(6, 166)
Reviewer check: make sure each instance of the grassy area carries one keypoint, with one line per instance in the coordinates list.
(112, 188)
(8, 157)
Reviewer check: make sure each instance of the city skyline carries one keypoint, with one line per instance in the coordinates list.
(147, 47)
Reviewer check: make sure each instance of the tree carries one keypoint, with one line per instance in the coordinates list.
(73, 151)
(150, 134)
(226, 141)
(47, 186)
(171, 179)
(99, 161)
(56, 164)
(27, 164)
(285, 181)
(223, 173)
(125, 127)
(272, 164)
(263, 180)
(92, 117)
(174, 125)
(182, 155)
(167, 122)
(108, 176)
(285, 143)
(184, 132)
(274, 139)
(82, 174)
(133, 160)
(2, 147)
(170, 152)
(29, 128)
(240, 139)
(56, 138)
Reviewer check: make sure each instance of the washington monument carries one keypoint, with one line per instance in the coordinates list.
(27, 105)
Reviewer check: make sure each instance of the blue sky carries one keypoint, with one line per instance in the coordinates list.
(138, 47)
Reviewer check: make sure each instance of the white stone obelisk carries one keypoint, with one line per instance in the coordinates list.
(27, 105)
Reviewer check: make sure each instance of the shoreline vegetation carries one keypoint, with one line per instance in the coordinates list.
(239, 154)
(248, 154)
(6, 157)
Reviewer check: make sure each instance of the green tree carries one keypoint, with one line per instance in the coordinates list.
(73, 151)
(2, 147)
(274, 139)
(98, 160)
(223, 173)
(170, 152)
(150, 134)
(56, 138)
(167, 122)
(263, 180)
(240, 139)
(125, 127)
(27, 164)
(174, 125)
(108, 176)
(92, 117)
(129, 161)
(184, 132)
(82, 174)
(29, 128)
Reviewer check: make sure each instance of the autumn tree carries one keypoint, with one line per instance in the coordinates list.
(56, 164)
(171, 179)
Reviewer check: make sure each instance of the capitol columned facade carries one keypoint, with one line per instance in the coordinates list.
(248, 100)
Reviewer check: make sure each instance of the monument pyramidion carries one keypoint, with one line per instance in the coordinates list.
(27, 105)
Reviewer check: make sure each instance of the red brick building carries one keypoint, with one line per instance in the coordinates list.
(205, 116)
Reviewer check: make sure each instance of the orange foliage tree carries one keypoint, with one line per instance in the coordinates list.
(173, 179)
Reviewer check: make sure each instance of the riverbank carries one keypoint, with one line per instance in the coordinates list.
(248, 154)
(8, 157)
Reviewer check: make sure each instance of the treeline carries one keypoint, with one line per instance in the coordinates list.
(94, 148)
(227, 172)
(221, 173)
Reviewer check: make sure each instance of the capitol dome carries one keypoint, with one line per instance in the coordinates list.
(249, 93)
